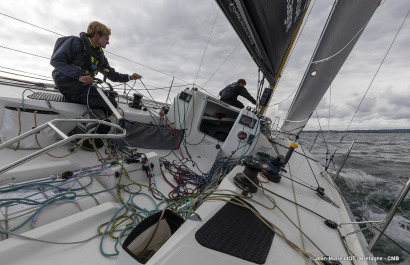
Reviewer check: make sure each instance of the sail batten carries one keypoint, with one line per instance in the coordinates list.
(338, 38)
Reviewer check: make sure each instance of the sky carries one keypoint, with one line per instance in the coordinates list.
(170, 41)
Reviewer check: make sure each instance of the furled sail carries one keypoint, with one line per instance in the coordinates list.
(266, 28)
(345, 24)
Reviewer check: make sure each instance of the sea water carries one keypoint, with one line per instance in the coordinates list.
(371, 180)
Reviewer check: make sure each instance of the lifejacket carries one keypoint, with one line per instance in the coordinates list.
(93, 58)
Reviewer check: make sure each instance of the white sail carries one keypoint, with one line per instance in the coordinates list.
(346, 22)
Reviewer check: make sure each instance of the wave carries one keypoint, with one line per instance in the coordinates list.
(371, 197)
(399, 231)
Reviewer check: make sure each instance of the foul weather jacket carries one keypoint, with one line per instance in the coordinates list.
(70, 58)
(74, 57)
(231, 92)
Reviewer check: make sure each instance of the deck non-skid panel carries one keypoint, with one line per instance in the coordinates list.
(237, 231)
(49, 96)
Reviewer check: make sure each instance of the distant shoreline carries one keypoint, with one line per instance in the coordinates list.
(366, 131)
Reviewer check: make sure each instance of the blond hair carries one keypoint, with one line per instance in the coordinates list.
(97, 27)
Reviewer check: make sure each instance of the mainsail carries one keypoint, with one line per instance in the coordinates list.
(266, 28)
(346, 22)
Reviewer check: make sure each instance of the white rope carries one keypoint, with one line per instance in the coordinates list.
(354, 37)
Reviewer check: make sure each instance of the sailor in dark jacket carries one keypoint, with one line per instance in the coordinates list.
(231, 92)
(76, 60)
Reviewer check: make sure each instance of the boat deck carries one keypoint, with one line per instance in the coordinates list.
(293, 206)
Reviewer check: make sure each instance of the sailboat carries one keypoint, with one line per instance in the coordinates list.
(195, 181)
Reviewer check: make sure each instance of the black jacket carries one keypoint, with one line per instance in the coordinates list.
(232, 91)
(71, 59)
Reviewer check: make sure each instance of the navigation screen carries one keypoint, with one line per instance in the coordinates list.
(247, 121)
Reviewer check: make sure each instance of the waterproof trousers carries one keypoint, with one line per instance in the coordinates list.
(233, 102)
(81, 93)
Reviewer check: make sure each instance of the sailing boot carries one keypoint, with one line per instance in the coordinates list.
(92, 128)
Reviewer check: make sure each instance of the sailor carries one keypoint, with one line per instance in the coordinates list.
(76, 60)
(231, 92)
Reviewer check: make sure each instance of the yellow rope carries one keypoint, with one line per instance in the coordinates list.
(297, 211)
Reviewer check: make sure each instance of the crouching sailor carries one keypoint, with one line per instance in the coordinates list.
(76, 60)
(231, 92)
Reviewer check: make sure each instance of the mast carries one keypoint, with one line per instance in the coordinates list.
(271, 88)
(343, 28)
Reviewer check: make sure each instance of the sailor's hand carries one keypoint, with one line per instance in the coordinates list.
(135, 76)
(86, 79)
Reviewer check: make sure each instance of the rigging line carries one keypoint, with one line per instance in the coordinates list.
(374, 77)
(157, 88)
(23, 81)
(324, 140)
(153, 87)
(105, 50)
(122, 57)
(48, 58)
(30, 24)
(206, 47)
(138, 89)
(222, 64)
(285, 98)
(206, 91)
(321, 131)
(314, 175)
(18, 85)
(149, 94)
(23, 71)
(49, 79)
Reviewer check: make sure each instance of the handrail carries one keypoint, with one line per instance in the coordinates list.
(66, 139)
(390, 215)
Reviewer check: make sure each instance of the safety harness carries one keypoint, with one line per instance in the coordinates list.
(93, 58)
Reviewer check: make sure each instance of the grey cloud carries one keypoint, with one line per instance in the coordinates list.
(171, 35)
